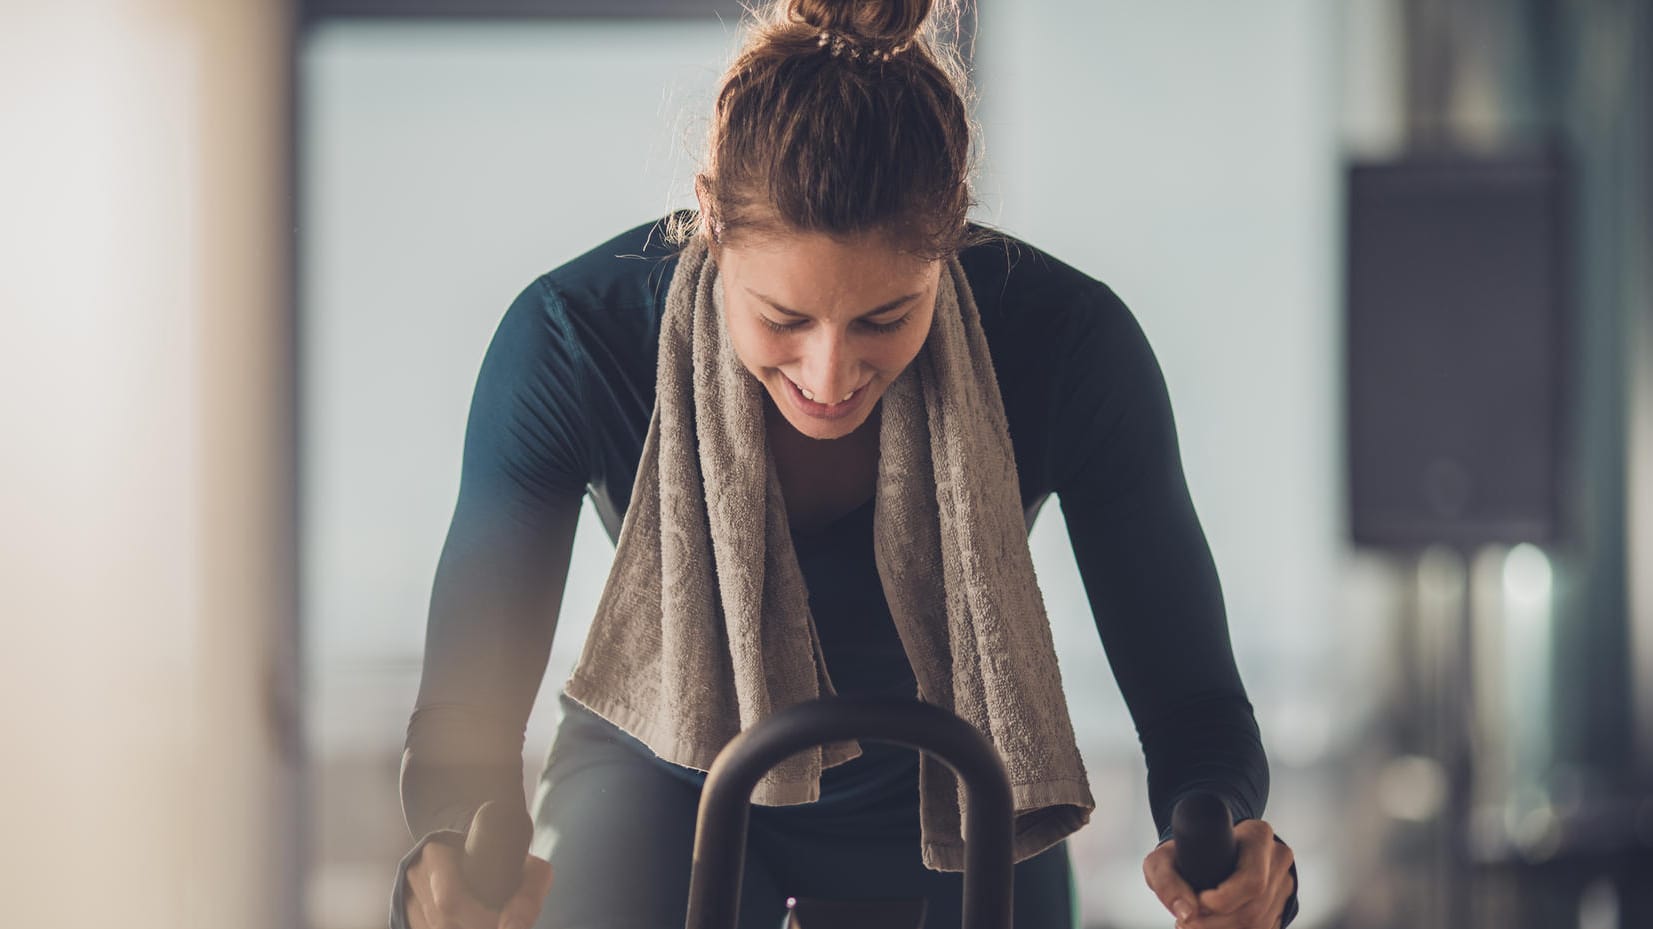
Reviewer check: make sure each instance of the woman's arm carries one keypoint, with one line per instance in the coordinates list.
(1147, 568)
(499, 580)
(493, 614)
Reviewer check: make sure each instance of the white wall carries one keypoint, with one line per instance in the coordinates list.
(446, 166)
(143, 488)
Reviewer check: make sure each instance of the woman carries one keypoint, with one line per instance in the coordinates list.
(819, 416)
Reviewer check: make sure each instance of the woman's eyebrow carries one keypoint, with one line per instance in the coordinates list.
(884, 308)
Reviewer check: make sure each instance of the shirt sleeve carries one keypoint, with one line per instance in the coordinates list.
(499, 580)
(1147, 568)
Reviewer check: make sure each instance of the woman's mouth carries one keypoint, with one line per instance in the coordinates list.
(809, 406)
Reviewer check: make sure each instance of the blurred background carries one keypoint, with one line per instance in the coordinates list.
(1392, 255)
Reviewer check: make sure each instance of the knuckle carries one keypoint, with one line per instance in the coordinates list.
(1247, 913)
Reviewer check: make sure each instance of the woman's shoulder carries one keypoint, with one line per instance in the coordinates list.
(1045, 318)
(588, 328)
(596, 316)
(621, 281)
(1021, 288)
(569, 373)
(1075, 369)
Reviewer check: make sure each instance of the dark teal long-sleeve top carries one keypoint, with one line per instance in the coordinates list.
(560, 410)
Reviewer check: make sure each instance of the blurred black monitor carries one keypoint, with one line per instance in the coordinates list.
(1457, 350)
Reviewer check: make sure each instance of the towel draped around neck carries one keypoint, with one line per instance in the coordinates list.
(704, 626)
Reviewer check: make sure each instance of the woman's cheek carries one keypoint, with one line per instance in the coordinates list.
(908, 348)
(757, 350)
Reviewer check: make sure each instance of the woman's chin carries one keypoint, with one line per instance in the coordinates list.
(817, 429)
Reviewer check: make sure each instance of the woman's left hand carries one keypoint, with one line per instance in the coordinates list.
(1253, 897)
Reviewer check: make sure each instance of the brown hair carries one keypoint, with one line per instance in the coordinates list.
(842, 117)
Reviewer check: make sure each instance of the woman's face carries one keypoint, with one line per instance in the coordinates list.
(826, 325)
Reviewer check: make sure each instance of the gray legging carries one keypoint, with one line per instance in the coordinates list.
(619, 829)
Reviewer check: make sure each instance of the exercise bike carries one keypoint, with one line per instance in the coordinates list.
(1202, 825)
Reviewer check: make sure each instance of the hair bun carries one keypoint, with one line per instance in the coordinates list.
(883, 22)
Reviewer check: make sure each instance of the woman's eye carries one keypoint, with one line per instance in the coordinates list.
(890, 326)
(779, 327)
(867, 324)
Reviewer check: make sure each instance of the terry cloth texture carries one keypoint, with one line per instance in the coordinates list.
(704, 626)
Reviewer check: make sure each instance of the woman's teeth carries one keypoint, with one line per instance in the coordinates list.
(810, 394)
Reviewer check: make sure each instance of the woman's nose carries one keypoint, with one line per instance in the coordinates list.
(829, 370)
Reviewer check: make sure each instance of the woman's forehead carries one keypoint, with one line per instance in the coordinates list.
(810, 259)
(825, 279)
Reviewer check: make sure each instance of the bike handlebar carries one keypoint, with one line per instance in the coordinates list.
(1203, 829)
(720, 838)
(495, 848)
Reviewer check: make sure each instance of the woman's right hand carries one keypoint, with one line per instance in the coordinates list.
(437, 897)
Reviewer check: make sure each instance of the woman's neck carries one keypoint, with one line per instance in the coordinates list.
(823, 479)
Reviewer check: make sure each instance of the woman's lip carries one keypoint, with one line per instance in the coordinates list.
(822, 410)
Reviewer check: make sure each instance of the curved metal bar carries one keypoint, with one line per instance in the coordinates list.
(720, 835)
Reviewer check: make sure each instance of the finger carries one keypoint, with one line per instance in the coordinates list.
(421, 915)
(417, 882)
(1247, 917)
(1160, 871)
(1262, 912)
(1252, 871)
(451, 904)
(523, 909)
(416, 915)
(411, 914)
(1285, 884)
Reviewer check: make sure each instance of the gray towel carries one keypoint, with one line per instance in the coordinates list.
(704, 626)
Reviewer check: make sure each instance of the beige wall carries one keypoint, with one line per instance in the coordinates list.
(144, 480)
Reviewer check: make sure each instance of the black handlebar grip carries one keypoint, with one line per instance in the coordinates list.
(1203, 829)
(495, 847)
